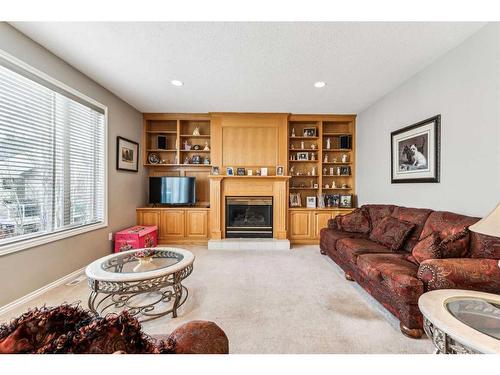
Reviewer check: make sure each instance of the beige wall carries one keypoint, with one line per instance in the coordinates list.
(28, 270)
(464, 87)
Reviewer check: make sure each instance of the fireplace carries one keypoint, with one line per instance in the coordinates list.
(249, 217)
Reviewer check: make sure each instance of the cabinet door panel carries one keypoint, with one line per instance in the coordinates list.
(321, 221)
(300, 225)
(196, 224)
(148, 218)
(171, 224)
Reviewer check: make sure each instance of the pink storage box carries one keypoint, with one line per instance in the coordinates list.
(136, 237)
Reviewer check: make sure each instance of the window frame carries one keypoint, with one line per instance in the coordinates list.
(43, 239)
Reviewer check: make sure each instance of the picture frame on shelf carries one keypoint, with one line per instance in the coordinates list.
(215, 171)
(295, 200)
(240, 171)
(415, 152)
(127, 155)
(311, 202)
(249, 172)
(280, 171)
(230, 171)
(263, 171)
(310, 132)
(302, 155)
(345, 201)
(153, 158)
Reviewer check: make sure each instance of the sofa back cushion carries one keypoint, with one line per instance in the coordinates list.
(483, 246)
(417, 216)
(446, 223)
(391, 232)
(377, 212)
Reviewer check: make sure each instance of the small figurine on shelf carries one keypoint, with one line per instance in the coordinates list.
(345, 186)
(324, 171)
(186, 160)
(206, 161)
(207, 148)
(334, 160)
(293, 132)
(292, 170)
(325, 159)
(327, 186)
(328, 143)
(313, 172)
(309, 173)
(334, 185)
(302, 145)
(313, 156)
(344, 158)
(313, 146)
(338, 171)
(187, 146)
(196, 131)
(292, 147)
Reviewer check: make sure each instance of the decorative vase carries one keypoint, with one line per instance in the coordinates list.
(145, 264)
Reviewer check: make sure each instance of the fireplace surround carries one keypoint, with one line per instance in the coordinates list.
(249, 217)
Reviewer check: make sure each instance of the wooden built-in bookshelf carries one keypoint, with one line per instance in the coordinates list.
(324, 172)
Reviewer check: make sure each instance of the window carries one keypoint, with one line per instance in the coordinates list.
(52, 159)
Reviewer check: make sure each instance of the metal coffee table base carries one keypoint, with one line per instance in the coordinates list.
(148, 298)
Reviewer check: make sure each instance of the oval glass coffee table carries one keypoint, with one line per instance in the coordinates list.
(145, 282)
(462, 321)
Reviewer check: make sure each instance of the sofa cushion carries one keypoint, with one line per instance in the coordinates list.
(446, 223)
(329, 238)
(377, 212)
(455, 245)
(483, 246)
(394, 272)
(426, 248)
(356, 222)
(350, 248)
(417, 216)
(391, 232)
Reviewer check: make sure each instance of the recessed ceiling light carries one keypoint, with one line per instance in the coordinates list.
(176, 82)
(319, 84)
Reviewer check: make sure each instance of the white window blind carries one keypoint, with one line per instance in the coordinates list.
(52, 159)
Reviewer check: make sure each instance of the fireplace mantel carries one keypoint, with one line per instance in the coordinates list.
(223, 185)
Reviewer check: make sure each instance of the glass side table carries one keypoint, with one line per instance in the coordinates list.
(462, 321)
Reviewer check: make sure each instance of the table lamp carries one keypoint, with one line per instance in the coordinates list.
(489, 225)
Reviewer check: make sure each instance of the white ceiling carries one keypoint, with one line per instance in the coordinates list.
(249, 67)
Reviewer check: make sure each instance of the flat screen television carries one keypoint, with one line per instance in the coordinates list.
(172, 190)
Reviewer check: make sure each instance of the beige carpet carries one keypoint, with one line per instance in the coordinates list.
(293, 301)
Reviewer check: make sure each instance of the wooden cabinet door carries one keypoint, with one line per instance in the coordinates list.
(300, 225)
(321, 221)
(148, 218)
(196, 224)
(171, 224)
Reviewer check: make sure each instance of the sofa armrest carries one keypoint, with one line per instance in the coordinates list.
(332, 223)
(460, 273)
(199, 337)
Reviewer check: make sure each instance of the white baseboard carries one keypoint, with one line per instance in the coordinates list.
(28, 297)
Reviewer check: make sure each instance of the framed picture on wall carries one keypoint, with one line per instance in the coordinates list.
(127, 155)
(415, 152)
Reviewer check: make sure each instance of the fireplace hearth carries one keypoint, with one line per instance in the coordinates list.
(249, 217)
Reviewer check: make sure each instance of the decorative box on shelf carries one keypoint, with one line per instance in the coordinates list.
(137, 237)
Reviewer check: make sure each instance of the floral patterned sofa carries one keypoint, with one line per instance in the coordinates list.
(71, 329)
(398, 253)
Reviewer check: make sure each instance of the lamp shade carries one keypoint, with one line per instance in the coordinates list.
(490, 225)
